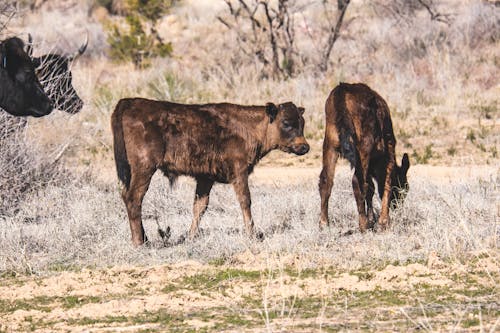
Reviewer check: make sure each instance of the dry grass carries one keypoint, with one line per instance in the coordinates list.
(25, 166)
(84, 224)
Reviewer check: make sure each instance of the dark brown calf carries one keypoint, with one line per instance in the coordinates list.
(359, 127)
(212, 143)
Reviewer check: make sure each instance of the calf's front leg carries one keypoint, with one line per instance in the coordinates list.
(384, 219)
(240, 185)
(360, 189)
(330, 157)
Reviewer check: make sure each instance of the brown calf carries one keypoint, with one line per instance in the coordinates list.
(359, 127)
(212, 143)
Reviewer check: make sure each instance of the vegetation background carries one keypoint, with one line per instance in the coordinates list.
(436, 62)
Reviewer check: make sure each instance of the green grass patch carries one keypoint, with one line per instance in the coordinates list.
(46, 303)
(40, 303)
(211, 280)
(69, 302)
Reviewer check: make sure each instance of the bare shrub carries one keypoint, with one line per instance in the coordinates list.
(266, 31)
(406, 10)
(23, 167)
(8, 10)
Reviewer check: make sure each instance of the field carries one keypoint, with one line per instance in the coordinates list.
(66, 260)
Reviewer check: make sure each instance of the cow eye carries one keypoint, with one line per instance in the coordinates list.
(287, 125)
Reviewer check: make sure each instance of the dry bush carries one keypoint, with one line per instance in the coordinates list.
(7, 11)
(266, 31)
(23, 167)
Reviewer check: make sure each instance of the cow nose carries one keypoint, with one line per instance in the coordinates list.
(302, 149)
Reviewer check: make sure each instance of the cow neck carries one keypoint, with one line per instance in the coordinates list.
(266, 145)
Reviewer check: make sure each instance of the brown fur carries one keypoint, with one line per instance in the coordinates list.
(212, 143)
(359, 127)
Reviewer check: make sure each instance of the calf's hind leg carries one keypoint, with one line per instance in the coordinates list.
(360, 189)
(203, 187)
(330, 157)
(369, 203)
(133, 197)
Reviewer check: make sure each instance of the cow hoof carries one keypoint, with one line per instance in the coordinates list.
(323, 225)
(382, 227)
(138, 243)
(193, 236)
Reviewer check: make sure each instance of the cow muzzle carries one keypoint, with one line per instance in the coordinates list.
(298, 146)
(300, 149)
(40, 111)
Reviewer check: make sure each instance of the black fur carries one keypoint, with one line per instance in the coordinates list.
(121, 160)
(347, 137)
(272, 111)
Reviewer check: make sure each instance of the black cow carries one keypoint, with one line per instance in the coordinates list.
(21, 93)
(54, 72)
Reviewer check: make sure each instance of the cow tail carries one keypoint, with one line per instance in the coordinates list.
(345, 126)
(121, 160)
(347, 147)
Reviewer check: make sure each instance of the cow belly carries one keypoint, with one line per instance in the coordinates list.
(197, 160)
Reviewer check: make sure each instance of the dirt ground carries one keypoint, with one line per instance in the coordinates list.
(258, 293)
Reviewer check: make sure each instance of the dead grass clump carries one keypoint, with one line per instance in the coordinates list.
(23, 167)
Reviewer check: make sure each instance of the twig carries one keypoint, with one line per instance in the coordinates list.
(332, 38)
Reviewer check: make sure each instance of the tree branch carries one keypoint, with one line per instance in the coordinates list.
(332, 38)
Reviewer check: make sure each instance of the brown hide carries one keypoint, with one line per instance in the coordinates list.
(211, 142)
(359, 128)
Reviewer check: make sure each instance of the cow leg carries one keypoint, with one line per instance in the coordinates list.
(203, 187)
(240, 185)
(369, 203)
(133, 198)
(384, 219)
(330, 157)
(360, 189)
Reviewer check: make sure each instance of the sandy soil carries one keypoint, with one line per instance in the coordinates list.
(192, 296)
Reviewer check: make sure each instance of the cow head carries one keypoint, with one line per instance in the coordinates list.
(399, 182)
(287, 119)
(21, 92)
(54, 72)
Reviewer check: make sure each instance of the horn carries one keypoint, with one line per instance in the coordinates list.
(81, 50)
(29, 47)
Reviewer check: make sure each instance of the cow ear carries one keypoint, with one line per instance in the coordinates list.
(272, 111)
(301, 110)
(405, 163)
